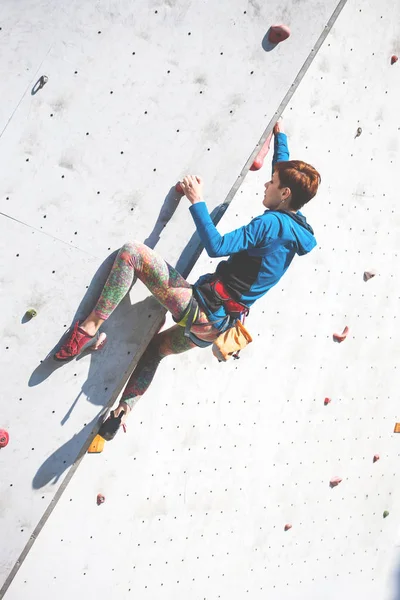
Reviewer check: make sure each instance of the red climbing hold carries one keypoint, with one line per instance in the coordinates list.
(179, 188)
(4, 438)
(376, 457)
(335, 481)
(100, 499)
(340, 337)
(394, 59)
(288, 526)
(259, 159)
(327, 401)
(278, 33)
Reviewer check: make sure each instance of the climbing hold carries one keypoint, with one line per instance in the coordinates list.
(327, 401)
(41, 82)
(394, 59)
(335, 481)
(100, 342)
(4, 438)
(369, 275)
(259, 159)
(278, 33)
(376, 457)
(97, 445)
(179, 188)
(385, 514)
(107, 432)
(397, 428)
(288, 526)
(30, 313)
(340, 337)
(100, 499)
(359, 132)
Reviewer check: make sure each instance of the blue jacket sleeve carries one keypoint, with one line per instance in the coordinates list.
(250, 236)
(281, 150)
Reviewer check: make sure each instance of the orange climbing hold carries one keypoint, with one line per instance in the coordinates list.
(259, 159)
(394, 59)
(335, 481)
(340, 337)
(278, 33)
(97, 445)
(397, 428)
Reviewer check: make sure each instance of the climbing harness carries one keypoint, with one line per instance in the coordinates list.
(189, 317)
(234, 308)
(233, 338)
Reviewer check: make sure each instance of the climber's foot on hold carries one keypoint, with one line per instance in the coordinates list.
(78, 341)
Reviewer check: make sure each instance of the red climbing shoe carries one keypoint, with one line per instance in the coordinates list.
(77, 342)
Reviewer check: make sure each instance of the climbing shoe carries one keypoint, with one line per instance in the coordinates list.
(77, 342)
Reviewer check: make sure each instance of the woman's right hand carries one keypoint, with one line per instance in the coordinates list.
(278, 127)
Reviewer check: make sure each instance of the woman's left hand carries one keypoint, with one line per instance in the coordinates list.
(192, 186)
(122, 407)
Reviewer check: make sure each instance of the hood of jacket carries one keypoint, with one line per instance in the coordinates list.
(295, 227)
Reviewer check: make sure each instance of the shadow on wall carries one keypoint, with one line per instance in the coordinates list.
(62, 459)
(266, 45)
(130, 322)
(193, 248)
(134, 313)
(396, 595)
(49, 365)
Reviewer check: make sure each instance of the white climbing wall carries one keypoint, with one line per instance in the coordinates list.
(137, 95)
(217, 458)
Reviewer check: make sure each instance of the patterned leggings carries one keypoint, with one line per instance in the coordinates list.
(171, 290)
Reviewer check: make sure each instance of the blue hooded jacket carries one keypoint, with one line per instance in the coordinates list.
(260, 252)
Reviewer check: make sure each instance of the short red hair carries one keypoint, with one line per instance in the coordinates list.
(302, 180)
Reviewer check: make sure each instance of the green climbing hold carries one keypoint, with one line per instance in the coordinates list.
(31, 313)
(385, 514)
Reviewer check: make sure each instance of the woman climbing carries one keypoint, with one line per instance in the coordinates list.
(259, 254)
